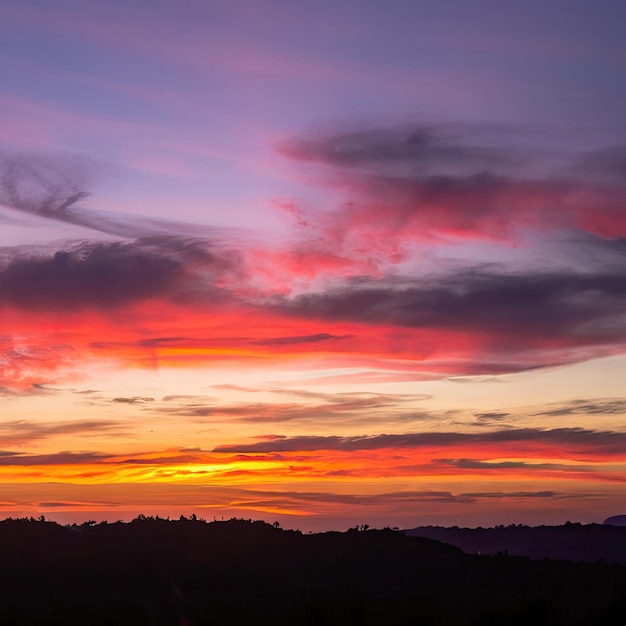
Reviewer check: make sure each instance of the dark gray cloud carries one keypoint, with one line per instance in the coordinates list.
(421, 146)
(132, 400)
(103, 275)
(108, 275)
(512, 308)
(574, 440)
(491, 416)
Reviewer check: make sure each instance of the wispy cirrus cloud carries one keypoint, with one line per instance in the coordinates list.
(353, 407)
(596, 406)
(56, 186)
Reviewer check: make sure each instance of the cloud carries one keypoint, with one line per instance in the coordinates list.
(280, 412)
(17, 432)
(550, 313)
(165, 460)
(394, 500)
(596, 406)
(105, 275)
(50, 186)
(524, 495)
(33, 390)
(289, 341)
(65, 504)
(44, 184)
(351, 406)
(474, 464)
(190, 397)
(423, 182)
(420, 146)
(57, 458)
(489, 416)
(572, 440)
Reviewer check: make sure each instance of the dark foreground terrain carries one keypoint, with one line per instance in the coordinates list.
(156, 572)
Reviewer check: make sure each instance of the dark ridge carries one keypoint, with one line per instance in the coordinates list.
(156, 572)
(571, 542)
(615, 520)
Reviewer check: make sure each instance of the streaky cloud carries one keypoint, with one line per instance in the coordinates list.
(595, 406)
(18, 432)
(613, 442)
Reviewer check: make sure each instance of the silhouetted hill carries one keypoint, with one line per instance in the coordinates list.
(572, 542)
(156, 572)
(616, 520)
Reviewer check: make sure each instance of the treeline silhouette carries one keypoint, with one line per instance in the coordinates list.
(156, 572)
(571, 541)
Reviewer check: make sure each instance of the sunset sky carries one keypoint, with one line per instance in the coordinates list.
(321, 262)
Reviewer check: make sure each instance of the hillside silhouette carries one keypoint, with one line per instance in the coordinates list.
(157, 572)
(572, 541)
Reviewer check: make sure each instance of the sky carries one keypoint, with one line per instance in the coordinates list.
(322, 263)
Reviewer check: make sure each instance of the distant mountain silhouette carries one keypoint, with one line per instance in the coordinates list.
(573, 542)
(616, 520)
(155, 572)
